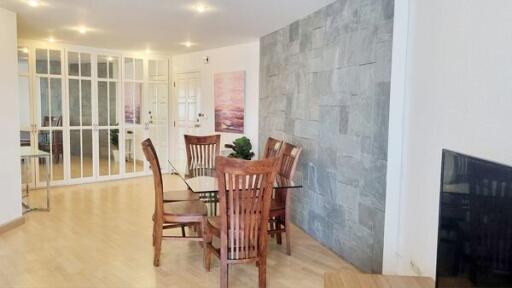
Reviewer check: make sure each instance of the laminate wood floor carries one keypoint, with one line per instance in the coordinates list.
(99, 235)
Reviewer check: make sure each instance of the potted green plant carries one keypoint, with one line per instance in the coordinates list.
(114, 141)
(242, 148)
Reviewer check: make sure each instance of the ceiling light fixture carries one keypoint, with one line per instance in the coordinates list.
(33, 3)
(82, 29)
(187, 44)
(51, 40)
(148, 51)
(200, 8)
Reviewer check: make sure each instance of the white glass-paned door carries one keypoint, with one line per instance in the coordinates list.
(49, 95)
(134, 129)
(109, 108)
(81, 126)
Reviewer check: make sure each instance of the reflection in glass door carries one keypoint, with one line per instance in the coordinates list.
(108, 116)
(49, 92)
(80, 115)
(133, 129)
(157, 106)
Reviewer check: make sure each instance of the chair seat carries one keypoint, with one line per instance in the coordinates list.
(179, 195)
(214, 225)
(277, 205)
(185, 208)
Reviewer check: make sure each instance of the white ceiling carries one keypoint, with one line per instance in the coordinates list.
(158, 25)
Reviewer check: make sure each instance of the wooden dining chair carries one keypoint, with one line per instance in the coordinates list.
(174, 195)
(272, 148)
(279, 217)
(245, 190)
(174, 214)
(202, 150)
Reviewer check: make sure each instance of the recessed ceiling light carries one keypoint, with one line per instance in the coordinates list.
(82, 29)
(200, 8)
(51, 39)
(148, 51)
(33, 3)
(187, 44)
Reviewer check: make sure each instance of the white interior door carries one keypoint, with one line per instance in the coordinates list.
(109, 110)
(157, 112)
(49, 114)
(134, 128)
(186, 120)
(82, 124)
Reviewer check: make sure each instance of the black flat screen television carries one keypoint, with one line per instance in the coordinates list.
(475, 223)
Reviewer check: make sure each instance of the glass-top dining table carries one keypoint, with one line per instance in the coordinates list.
(203, 181)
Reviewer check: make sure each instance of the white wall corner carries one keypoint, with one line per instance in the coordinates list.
(394, 178)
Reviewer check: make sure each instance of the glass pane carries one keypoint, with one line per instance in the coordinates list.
(114, 152)
(103, 103)
(182, 93)
(114, 121)
(86, 103)
(134, 155)
(138, 69)
(57, 156)
(129, 148)
(22, 60)
(44, 101)
(73, 62)
(128, 68)
(113, 67)
(74, 102)
(87, 152)
(85, 64)
(132, 103)
(55, 62)
(56, 100)
(158, 70)
(43, 144)
(129, 116)
(104, 153)
(102, 67)
(75, 150)
(24, 103)
(41, 61)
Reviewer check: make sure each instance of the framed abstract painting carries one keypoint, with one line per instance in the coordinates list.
(229, 95)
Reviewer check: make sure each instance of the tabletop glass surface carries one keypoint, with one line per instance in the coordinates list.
(203, 180)
(31, 152)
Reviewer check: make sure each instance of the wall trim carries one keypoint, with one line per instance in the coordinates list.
(12, 224)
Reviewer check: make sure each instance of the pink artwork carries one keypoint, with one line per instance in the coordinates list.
(229, 92)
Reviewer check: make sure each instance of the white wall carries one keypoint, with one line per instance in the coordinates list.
(10, 170)
(458, 96)
(227, 59)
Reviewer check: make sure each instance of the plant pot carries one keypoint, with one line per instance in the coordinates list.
(115, 155)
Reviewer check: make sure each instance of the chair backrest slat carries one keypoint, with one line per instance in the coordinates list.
(272, 148)
(152, 158)
(245, 191)
(201, 150)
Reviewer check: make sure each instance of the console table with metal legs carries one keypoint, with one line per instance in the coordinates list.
(27, 154)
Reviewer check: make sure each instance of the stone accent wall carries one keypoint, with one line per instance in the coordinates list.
(325, 84)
